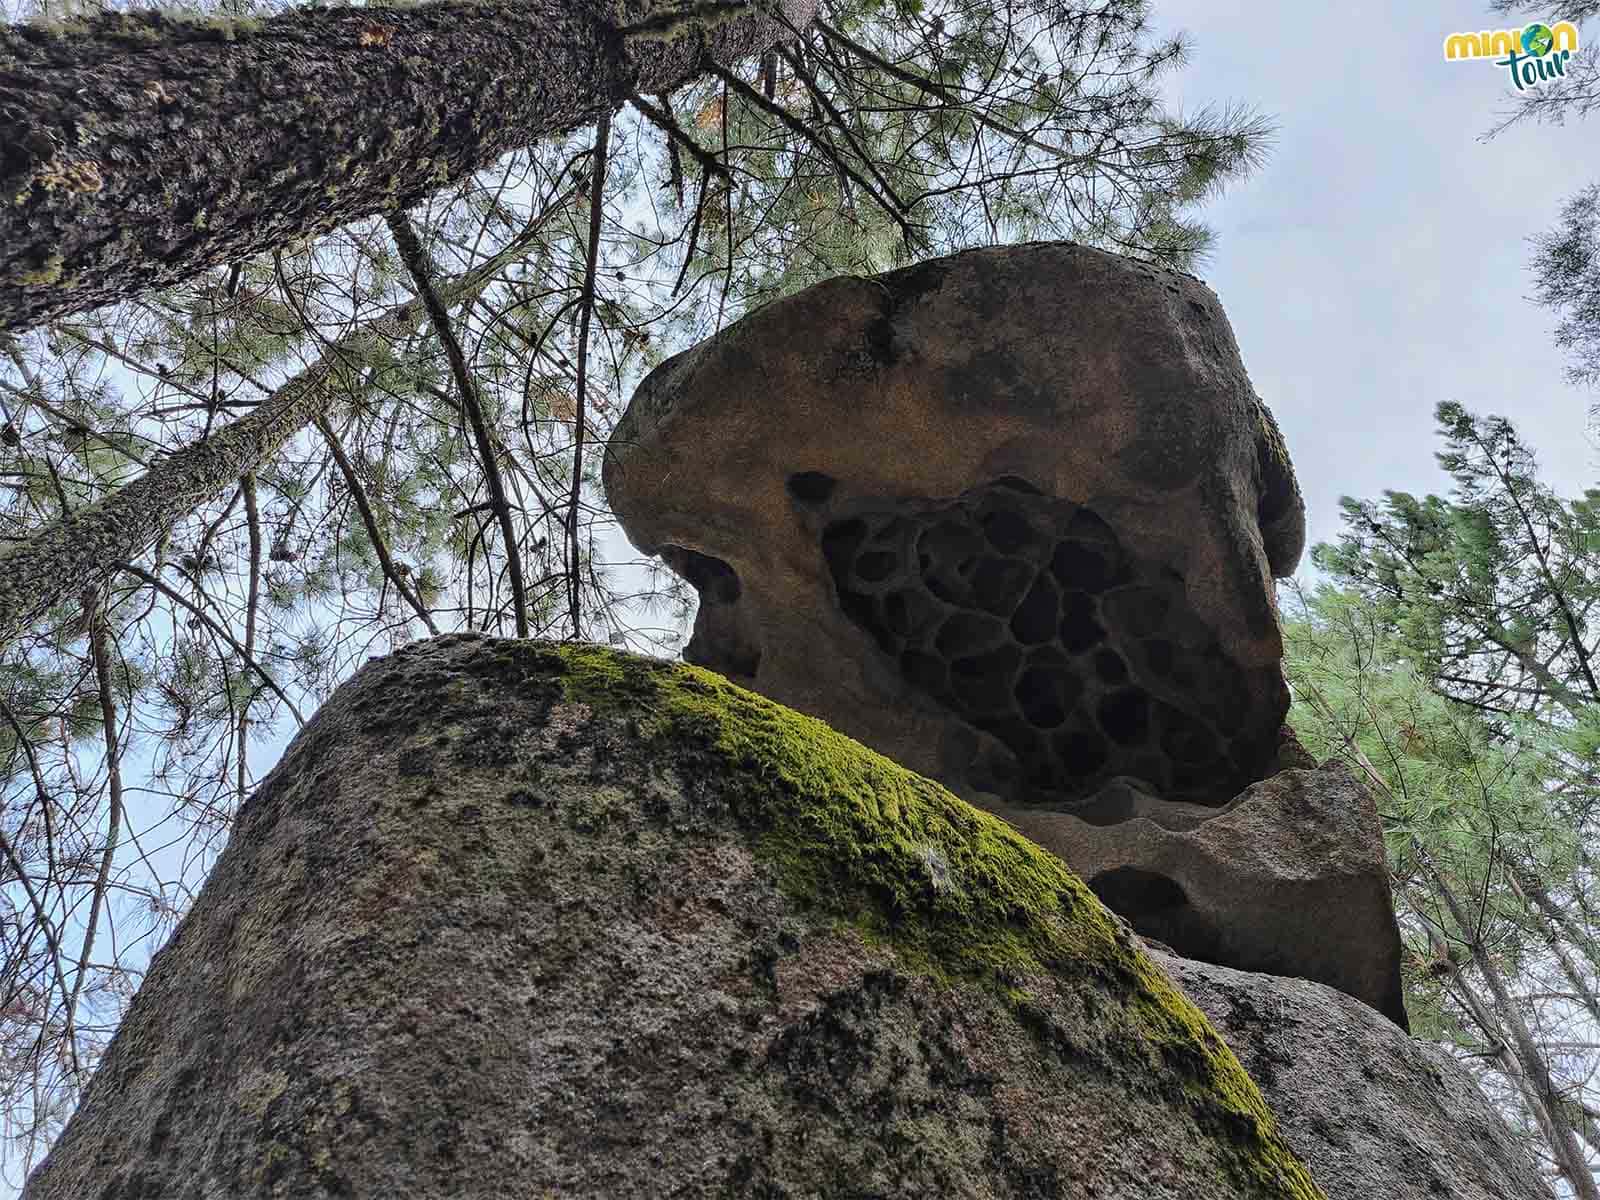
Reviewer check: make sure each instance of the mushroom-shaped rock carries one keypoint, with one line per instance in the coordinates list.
(517, 920)
(1011, 517)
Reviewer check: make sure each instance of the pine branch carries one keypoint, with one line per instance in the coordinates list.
(100, 652)
(664, 120)
(411, 254)
(370, 521)
(602, 140)
(247, 488)
(890, 205)
(205, 618)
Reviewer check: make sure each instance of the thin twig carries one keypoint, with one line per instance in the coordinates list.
(22, 876)
(694, 231)
(247, 487)
(370, 520)
(596, 198)
(664, 120)
(179, 598)
(411, 254)
(891, 205)
(101, 653)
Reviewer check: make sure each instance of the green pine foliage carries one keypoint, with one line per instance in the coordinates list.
(1486, 591)
(1453, 791)
(1450, 659)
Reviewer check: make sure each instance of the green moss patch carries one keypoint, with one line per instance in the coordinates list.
(957, 893)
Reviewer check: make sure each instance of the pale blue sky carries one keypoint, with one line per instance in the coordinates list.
(1375, 265)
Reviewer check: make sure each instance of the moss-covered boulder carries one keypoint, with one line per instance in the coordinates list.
(518, 920)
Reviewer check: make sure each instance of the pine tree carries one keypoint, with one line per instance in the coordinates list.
(1487, 592)
(1566, 280)
(1471, 831)
(1480, 603)
(273, 534)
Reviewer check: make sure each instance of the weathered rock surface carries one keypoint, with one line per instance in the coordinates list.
(511, 920)
(1376, 1115)
(1290, 878)
(1010, 517)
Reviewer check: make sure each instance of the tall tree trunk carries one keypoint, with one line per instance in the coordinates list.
(84, 548)
(1504, 1058)
(1563, 1137)
(138, 149)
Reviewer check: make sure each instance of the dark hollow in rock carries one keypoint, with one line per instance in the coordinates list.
(1009, 532)
(714, 579)
(1136, 893)
(909, 612)
(811, 487)
(877, 566)
(1024, 615)
(723, 639)
(1079, 630)
(1125, 716)
(840, 541)
(1034, 622)
(927, 672)
(1157, 907)
(1109, 666)
(1017, 485)
(998, 583)
(1081, 565)
(965, 632)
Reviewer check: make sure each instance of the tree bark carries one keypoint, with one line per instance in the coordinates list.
(87, 547)
(1505, 1058)
(139, 149)
(1563, 1137)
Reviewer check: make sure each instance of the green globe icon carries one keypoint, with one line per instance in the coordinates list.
(1537, 40)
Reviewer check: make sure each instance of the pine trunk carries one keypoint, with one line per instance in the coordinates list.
(84, 548)
(1563, 1137)
(137, 150)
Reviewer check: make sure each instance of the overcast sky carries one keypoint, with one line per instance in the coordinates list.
(1375, 265)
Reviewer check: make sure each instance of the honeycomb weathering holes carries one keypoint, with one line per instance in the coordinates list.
(1025, 616)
